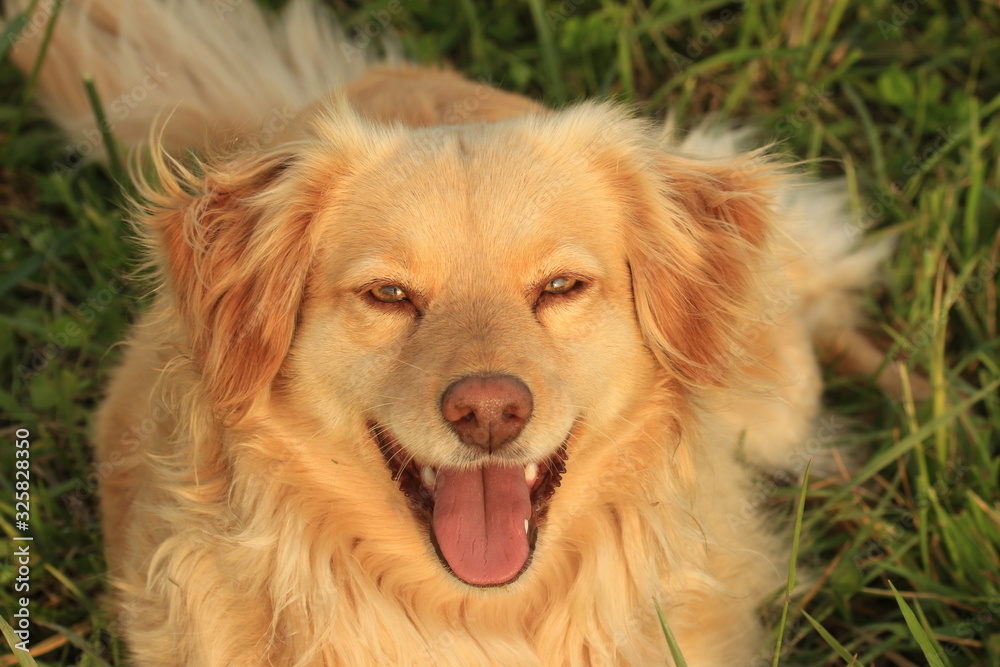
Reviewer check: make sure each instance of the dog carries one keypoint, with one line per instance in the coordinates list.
(435, 375)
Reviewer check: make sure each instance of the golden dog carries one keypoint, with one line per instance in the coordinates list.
(435, 375)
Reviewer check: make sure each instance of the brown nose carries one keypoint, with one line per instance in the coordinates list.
(487, 412)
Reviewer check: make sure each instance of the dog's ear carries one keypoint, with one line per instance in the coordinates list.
(235, 242)
(694, 248)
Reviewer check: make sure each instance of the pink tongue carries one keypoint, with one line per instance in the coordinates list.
(479, 519)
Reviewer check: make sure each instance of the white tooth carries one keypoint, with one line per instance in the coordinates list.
(427, 476)
(525, 526)
(530, 472)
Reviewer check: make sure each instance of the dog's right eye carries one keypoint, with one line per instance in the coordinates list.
(561, 285)
(388, 293)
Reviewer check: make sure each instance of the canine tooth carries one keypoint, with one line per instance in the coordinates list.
(530, 472)
(428, 476)
(525, 526)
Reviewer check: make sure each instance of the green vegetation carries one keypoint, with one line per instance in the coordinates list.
(899, 96)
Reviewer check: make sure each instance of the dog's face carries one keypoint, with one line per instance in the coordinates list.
(486, 304)
(470, 300)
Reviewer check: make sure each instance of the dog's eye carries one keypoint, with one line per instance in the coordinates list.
(389, 293)
(561, 285)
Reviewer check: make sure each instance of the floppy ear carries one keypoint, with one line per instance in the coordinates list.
(694, 247)
(235, 245)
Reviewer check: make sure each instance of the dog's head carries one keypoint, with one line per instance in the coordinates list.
(480, 307)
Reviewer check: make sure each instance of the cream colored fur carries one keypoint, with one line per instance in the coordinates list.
(249, 517)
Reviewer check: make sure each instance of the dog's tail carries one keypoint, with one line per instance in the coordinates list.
(832, 265)
(200, 69)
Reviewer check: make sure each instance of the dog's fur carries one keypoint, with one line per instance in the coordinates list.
(249, 515)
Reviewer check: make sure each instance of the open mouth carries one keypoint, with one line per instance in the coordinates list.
(483, 521)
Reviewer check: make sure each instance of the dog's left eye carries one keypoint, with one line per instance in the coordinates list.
(389, 293)
(561, 285)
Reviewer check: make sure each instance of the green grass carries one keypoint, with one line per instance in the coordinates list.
(899, 97)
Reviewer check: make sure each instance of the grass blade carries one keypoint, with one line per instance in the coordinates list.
(29, 87)
(675, 650)
(886, 456)
(79, 642)
(800, 510)
(550, 55)
(23, 657)
(831, 641)
(970, 228)
(918, 631)
(114, 160)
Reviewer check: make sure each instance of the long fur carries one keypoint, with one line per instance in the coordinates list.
(249, 517)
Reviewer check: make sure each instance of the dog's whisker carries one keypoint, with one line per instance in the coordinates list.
(640, 430)
(388, 396)
(411, 365)
(409, 459)
(377, 406)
